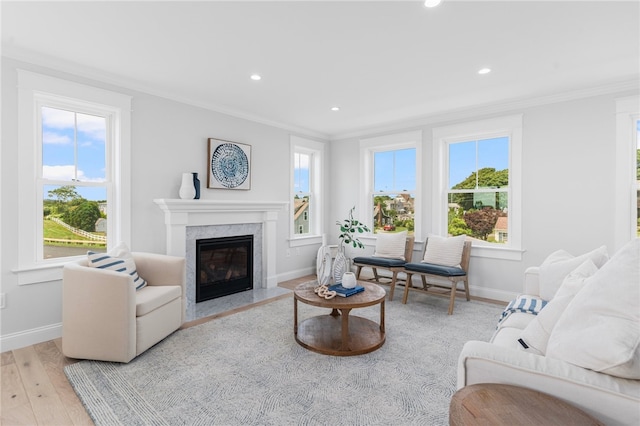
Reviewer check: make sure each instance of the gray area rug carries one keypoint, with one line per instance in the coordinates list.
(247, 369)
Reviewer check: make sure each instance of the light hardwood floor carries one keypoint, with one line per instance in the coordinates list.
(35, 390)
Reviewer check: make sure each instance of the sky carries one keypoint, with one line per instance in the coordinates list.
(468, 157)
(74, 148)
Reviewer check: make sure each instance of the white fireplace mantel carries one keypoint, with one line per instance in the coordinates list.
(180, 214)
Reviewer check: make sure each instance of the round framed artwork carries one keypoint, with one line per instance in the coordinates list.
(229, 165)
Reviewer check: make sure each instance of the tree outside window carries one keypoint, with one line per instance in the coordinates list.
(478, 194)
(394, 187)
(74, 182)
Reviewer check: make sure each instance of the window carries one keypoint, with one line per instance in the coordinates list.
(478, 189)
(394, 186)
(391, 180)
(306, 217)
(74, 156)
(477, 169)
(627, 190)
(73, 179)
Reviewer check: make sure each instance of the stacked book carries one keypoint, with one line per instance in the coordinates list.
(345, 292)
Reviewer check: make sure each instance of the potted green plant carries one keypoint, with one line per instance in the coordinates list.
(349, 228)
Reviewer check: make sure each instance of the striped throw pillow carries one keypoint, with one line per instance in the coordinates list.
(122, 262)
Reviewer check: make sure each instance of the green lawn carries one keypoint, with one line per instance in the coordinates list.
(53, 230)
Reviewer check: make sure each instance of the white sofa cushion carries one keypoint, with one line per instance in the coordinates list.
(535, 336)
(599, 329)
(560, 263)
(391, 245)
(446, 251)
(153, 296)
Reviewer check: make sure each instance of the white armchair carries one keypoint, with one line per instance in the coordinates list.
(105, 318)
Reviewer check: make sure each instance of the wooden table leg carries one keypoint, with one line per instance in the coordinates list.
(345, 329)
(382, 316)
(295, 316)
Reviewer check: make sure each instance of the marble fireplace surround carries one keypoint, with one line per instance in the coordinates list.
(189, 220)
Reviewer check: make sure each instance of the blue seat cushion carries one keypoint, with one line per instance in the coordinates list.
(433, 269)
(383, 262)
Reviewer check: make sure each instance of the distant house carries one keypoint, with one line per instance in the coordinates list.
(301, 216)
(101, 225)
(500, 231)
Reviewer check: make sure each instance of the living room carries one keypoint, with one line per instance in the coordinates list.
(573, 187)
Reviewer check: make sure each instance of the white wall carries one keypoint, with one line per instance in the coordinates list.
(168, 138)
(568, 177)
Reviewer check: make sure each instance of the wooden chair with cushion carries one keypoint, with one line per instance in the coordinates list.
(392, 252)
(443, 259)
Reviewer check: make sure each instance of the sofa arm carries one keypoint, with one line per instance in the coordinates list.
(532, 281)
(161, 269)
(98, 303)
(610, 399)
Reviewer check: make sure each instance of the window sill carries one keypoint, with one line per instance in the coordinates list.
(502, 253)
(37, 274)
(306, 240)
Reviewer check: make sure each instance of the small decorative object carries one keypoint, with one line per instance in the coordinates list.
(229, 165)
(187, 190)
(348, 229)
(196, 185)
(323, 291)
(349, 280)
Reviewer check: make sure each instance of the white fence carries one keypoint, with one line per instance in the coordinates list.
(80, 232)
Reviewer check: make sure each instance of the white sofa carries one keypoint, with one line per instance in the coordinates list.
(611, 399)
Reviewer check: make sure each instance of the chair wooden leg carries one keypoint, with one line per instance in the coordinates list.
(375, 274)
(393, 285)
(452, 299)
(424, 282)
(358, 272)
(406, 289)
(466, 288)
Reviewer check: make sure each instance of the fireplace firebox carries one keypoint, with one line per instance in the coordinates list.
(224, 266)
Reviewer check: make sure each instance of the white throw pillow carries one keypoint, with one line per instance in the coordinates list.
(120, 260)
(536, 334)
(600, 329)
(391, 245)
(446, 251)
(560, 263)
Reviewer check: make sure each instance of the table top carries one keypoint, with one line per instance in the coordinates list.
(372, 295)
(500, 404)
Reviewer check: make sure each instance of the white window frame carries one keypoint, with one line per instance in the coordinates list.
(510, 126)
(35, 90)
(368, 148)
(316, 151)
(627, 113)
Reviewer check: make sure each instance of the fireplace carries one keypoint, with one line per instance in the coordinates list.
(224, 266)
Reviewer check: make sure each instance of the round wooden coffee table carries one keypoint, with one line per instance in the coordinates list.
(339, 333)
(498, 404)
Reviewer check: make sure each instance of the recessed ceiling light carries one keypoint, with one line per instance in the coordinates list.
(484, 71)
(255, 77)
(432, 3)
(335, 108)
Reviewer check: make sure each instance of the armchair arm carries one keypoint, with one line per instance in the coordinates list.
(610, 399)
(532, 281)
(161, 269)
(98, 314)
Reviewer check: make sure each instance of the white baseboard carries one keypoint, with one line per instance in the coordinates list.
(30, 337)
(292, 275)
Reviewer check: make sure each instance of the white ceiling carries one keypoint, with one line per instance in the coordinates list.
(382, 63)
